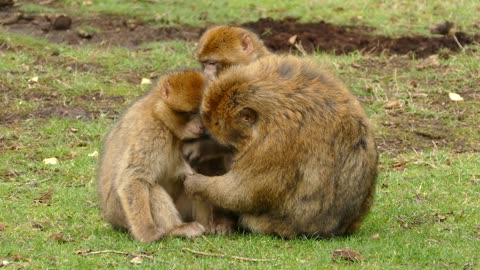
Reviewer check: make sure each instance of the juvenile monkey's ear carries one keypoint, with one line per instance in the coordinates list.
(247, 43)
(248, 116)
(166, 89)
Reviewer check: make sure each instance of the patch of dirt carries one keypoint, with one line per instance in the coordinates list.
(315, 36)
(323, 36)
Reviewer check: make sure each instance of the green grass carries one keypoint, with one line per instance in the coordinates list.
(426, 212)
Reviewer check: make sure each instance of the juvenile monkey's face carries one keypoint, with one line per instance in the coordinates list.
(193, 126)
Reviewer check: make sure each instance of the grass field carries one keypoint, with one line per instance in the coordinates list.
(59, 100)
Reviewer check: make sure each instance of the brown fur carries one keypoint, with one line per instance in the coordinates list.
(223, 46)
(140, 177)
(219, 48)
(305, 158)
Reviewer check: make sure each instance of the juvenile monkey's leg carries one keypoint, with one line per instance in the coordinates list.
(167, 217)
(135, 198)
(226, 192)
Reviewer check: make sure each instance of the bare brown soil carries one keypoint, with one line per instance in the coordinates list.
(277, 34)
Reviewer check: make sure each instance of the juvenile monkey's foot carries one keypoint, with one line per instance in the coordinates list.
(189, 230)
(148, 235)
(221, 225)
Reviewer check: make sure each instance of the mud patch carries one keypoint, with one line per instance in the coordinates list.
(322, 36)
(277, 34)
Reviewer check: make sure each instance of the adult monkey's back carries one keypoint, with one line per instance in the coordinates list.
(305, 158)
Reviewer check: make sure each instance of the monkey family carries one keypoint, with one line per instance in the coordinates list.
(271, 143)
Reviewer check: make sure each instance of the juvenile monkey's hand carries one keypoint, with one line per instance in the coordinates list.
(191, 151)
(195, 184)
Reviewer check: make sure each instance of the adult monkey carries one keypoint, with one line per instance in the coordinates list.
(305, 159)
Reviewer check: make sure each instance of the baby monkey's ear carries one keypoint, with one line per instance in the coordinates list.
(248, 116)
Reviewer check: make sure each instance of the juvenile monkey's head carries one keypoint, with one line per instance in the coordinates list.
(224, 46)
(181, 94)
(227, 110)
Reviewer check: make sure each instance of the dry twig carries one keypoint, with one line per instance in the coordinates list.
(299, 47)
(89, 252)
(458, 42)
(223, 254)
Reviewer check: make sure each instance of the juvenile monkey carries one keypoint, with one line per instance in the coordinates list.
(223, 46)
(220, 47)
(141, 173)
(305, 159)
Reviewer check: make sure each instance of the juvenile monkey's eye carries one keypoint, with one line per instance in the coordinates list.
(185, 114)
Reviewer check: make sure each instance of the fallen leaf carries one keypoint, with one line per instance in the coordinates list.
(440, 217)
(419, 95)
(72, 154)
(46, 2)
(81, 252)
(45, 198)
(399, 166)
(2, 227)
(429, 62)
(87, 3)
(392, 105)
(137, 260)
(93, 154)
(146, 81)
(16, 257)
(53, 260)
(60, 237)
(33, 80)
(347, 254)
(50, 161)
(41, 225)
(355, 65)
(73, 130)
(292, 39)
(302, 261)
(455, 97)
(375, 236)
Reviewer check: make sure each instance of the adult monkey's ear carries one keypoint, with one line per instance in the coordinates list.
(248, 116)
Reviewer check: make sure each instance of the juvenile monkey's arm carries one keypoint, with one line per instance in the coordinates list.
(225, 191)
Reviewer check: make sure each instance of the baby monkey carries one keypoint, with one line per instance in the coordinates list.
(141, 173)
(305, 160)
